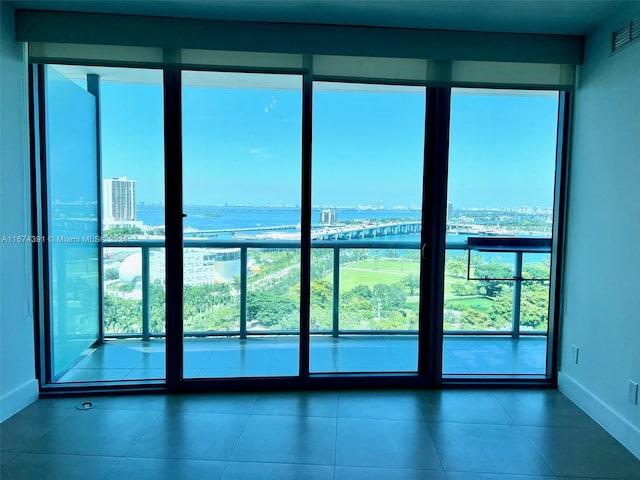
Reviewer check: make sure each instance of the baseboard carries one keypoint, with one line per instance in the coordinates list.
(17, 399)
(619, 427)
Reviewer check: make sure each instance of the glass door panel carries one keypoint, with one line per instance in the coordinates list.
(73, 221)
(368, 151)
(131, 244)
(502, 158)
(242, 151)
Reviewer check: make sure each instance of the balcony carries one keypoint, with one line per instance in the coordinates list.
(364, 309)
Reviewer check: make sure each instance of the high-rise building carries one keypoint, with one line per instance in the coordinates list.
(327, 217)
(118, 200)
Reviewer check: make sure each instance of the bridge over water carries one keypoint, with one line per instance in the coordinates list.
(323, 232)
(257, 228)
(366, 231)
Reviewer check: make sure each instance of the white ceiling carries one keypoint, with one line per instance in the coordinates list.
(528, 16)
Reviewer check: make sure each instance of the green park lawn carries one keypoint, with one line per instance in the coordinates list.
(369, 272)
(479, 304)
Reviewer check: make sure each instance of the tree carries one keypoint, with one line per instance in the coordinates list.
(534, 310)
(221, 293)
(121, 315)
(362, 291)
(157, 303)
(412, 282)
(474, 320)
(490, 271)
(537, 271)
(269, 309)
(456, 268)
(398, 321)
(464, 288)
(502, 309)
(111, 274)
(321, 293)
(121, 231)
(391, 297)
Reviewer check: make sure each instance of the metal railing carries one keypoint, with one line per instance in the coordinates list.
(519, 247)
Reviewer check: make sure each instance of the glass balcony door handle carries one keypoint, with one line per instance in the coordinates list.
(184, 215)
(423, 250)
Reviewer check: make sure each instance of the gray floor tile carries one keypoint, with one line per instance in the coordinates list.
(29, 425)
(153, 360)
(33, 466)
(163, 469)
(366, 434)
(123, 354)
(586, 452)
(385, 443)
(287, 439)
(262, 370)
(586, 478)
(78, 374)
(242, 357)
(393, 405)
(543, 408)
(60, 403)
(486, 449)
(493, 355)
(96, 432)
(463, 406)
(194, 360)
(277, 356)
(276, 471)
(6, 457)
(236, 403)
(151, 402)
(191, 435)
(582, 478)
(284, 362)
(495, 476)
(145, 373)
(370, 473)
(321, 355)
(300, 404)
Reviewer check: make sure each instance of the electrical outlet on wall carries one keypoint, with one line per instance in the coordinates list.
(574, 353)
(633, 392)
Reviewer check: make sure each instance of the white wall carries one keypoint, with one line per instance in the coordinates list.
(602, 283)
(18, 386)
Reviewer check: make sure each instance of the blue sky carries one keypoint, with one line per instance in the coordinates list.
(243, 146)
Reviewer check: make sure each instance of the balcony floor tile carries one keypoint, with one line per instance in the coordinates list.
(277, 355)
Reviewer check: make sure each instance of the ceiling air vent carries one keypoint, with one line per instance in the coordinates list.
(625, 35)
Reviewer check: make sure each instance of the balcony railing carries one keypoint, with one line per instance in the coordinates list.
(473, 247)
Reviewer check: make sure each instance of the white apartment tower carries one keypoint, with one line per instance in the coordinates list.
(118, 200)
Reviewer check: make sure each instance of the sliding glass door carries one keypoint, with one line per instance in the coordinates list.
(242, 141)
(103, 222)
(368, 154)
(499, 225)
(72, 220)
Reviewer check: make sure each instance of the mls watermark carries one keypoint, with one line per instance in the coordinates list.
(63, 239)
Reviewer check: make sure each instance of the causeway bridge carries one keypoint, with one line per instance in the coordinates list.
(349, 232)
(327, 232)
(257, 228)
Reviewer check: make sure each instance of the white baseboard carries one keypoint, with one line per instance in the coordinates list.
(17, 399)
(619, 427)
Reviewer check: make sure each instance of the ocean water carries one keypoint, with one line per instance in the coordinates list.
(239, 217)
(229, 217)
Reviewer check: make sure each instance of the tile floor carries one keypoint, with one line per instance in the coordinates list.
(400, 434)
(278, 356)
